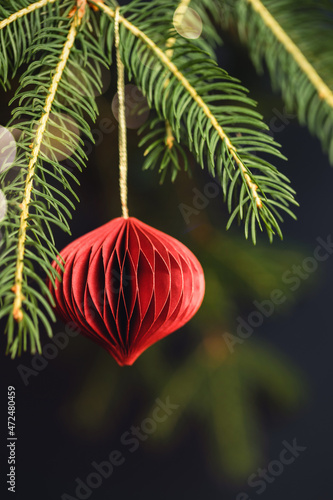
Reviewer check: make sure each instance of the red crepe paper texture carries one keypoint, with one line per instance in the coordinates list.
(127, 285)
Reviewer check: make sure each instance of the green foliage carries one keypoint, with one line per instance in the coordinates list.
(53, 184)
(228, 103)
(171, 160)
(18, 36)
(158, 153)
(208, 112)
(309, 24)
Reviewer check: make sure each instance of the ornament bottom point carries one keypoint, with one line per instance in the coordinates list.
(126, 360)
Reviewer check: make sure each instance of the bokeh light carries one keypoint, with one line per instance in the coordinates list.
(187, 22)
(137, 110)
(7, 149)
(3, 206)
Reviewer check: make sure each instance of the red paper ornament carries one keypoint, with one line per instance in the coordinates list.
(128, 285)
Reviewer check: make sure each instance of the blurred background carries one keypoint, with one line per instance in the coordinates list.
(248, 378)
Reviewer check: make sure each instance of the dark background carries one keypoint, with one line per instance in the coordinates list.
(55, 413)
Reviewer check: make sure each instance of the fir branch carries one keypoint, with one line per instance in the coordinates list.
(181, 8)
(166, 151)
(36, 147)
(49, 100)
(323, 91)
(21, 21)
(297, 54)
(23, 12)
(163, 149)
(194, 105)
(169, 158)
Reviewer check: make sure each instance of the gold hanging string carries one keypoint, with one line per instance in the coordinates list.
(122, 121)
